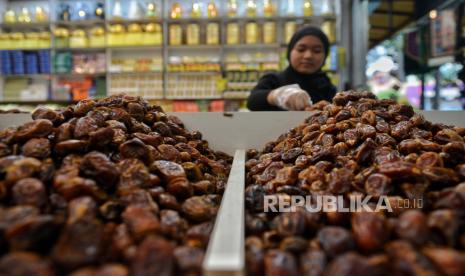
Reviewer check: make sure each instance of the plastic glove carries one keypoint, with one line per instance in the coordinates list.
(291, 97)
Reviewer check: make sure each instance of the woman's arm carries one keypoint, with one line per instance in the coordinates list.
(258, 99)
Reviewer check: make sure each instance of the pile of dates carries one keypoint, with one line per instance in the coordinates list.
(359, 146)
(107, 187)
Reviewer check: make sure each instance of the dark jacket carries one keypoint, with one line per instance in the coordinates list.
(317, 85)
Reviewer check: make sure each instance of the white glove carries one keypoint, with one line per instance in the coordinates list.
(290, 97)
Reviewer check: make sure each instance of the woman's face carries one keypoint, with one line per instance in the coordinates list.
(308, 55)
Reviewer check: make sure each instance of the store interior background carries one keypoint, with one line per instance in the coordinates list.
(206, 55)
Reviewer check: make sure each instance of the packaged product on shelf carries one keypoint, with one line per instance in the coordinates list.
(151, 11)
(196, 11)
(24, 16)
(213, 33)
(99, 11)
(251, 33)
(193, 34)
(327, 7)
(41, 15)
(251, 9)
(308, 8)
(289, 29)
(97, 37)
(78, 39)
(45, 40)
(232, 8)
(212, 11)
(329, 28)
(134, 35)
(176, 11)
(232, 32)
(9, 16)
(269, 32)
(65, 13)
(175, 34)
(117, 12)
(269, 8)
(5, 41)
(116, 35)
(153, 34)
(31, 40)
(61, 37)
(17, 40)
(135, 10)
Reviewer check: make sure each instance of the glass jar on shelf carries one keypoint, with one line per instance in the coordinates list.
(196, 10)
(175, 34)
(212, 11)
(31, 40)
(329, 28)
(176, 11)
(251, 9)
(251, 33)
(232, 33)
(193, 34)
(40, 14)
(9, 16)
(5, 41)
(269, 8)
(213, 33)
(269, 32)
(289, 29)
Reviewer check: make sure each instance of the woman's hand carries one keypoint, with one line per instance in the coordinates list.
(290, 97)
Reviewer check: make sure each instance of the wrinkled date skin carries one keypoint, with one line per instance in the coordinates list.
(107, 187)
(358, 148)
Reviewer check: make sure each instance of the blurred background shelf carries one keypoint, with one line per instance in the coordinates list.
(143, 51)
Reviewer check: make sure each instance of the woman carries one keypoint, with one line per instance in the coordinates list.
(302, 83)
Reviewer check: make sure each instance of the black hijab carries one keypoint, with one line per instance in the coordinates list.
(317, 84)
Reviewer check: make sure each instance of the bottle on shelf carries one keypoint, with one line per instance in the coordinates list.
(196, 10)
(290, 8)
(65, 12)
(175, 34)
(212, 11)
(24, 16)
(251, 9)
(41, 15)
(308, 8)
(99, 11)
(176, 11)
(153, 34)
(269, 9)
(289, 29)
(117, 12)
(232, 8)
(97, 37)
(151, 10)
(232, 32)
(135, 11)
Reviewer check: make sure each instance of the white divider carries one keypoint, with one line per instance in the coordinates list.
(225, 253)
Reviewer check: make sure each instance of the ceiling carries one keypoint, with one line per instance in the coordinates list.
(387, 17)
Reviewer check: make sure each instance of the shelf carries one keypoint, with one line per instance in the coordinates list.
(27, 76)
(193, 98)
(80, 23)
(194, 47)
(193, 72)
(26, 49)
(249, 46)
(88, 49)
(63, 102)
(23, 26)
(193, 20)
(136, 73)
(280, 18)
(79, 74)
(130, 48)
(129, 21)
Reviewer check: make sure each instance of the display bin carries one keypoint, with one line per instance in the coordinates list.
(234, 133)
